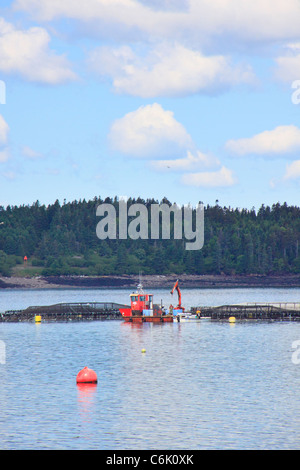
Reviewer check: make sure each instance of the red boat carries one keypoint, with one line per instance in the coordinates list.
(142, 309)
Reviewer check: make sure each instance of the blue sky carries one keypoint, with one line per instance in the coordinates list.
(186, 99)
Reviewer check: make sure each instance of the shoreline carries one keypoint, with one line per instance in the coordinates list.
(150, 281)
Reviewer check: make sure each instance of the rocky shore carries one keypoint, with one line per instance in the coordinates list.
(149, 281)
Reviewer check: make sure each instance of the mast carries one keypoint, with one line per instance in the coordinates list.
(140, 285)
(178, 292)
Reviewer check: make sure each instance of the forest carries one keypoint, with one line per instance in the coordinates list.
(60, 239)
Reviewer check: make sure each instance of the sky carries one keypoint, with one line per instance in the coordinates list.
(193, 100)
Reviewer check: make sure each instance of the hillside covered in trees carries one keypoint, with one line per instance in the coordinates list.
(60, 239)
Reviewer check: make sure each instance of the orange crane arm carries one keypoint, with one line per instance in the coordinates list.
(178, 292)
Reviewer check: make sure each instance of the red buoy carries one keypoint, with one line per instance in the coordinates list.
(87, 376)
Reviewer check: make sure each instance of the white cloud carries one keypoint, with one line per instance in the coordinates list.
(27, 53)
(221, 178)
(292, 170)
(4, 150)
(202, 27)
(30, 153)
(4, 155)
(281, 140)
(167, 70)
(209, 34)
(116, 14)
(171, 5)
(288, 65)
(149, 132)
(192, 162)
(9, 175)
(198, 20)
(4, 129)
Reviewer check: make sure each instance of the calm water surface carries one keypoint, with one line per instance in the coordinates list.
(208, 385)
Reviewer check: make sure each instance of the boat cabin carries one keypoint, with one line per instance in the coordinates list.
(140, 302)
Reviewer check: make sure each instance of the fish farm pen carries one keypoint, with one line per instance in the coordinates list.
(252, 311)
(287, 311)
(66, 311)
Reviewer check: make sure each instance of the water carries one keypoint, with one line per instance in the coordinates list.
(207, 385)
(18, 299)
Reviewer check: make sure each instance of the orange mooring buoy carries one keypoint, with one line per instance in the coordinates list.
(87, 376)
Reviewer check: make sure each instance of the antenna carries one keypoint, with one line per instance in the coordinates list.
(140, 285)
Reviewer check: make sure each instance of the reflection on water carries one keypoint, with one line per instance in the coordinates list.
(86, 407)
(86, 398)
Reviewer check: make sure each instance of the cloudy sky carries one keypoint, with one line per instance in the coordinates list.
(195, 100)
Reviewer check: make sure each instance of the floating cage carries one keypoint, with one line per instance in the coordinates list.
(65, 311)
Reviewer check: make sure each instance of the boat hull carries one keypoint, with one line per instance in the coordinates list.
(149, 319)
(187, 318)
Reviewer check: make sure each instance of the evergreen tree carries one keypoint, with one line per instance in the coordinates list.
(61, 239)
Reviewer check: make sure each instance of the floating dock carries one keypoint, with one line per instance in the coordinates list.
(289, 311)
(66, 312)
(280, 311)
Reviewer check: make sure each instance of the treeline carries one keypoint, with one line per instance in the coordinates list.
(60, 239)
